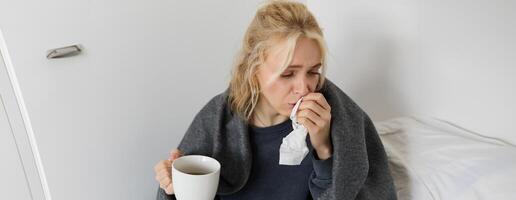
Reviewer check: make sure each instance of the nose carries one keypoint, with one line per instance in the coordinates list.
(301, 87)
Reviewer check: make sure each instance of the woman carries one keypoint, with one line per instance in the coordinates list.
(283, 60)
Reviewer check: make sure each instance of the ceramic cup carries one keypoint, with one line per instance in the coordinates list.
(195, 177)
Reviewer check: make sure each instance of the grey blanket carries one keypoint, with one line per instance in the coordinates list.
(360, 169)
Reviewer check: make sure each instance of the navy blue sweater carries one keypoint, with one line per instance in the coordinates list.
(269, 180)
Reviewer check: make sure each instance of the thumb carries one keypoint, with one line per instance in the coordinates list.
(174, 154)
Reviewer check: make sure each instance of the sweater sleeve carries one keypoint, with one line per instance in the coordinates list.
(164, 196)
(321, 176)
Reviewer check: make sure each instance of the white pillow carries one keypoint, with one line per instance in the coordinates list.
(434, 159)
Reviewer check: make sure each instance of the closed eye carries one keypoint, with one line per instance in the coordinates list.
(287, 75)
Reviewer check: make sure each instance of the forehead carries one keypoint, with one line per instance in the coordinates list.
(306, 53)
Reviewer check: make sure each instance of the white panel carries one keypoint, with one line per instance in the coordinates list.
(20, 126)
(13, 182)
(453, 60)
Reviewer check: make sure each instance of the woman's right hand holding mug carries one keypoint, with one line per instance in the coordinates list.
(163, 171)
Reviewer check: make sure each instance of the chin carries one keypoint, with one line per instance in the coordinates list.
(286, 112)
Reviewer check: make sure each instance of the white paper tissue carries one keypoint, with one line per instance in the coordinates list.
(293, 149)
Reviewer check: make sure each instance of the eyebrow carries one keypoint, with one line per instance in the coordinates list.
(299, 66)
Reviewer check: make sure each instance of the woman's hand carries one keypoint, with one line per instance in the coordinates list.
(163, 171)
(314, 113)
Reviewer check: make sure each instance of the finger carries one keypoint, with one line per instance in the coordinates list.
(162, 164)
(165, 181)
(175, 152)
(314, 118)
(164, 172)
(308, 124)
(315, 107)
(160, 179)
(162, 176)
(169, 189)
(319, 98)
(174, 157)
(158, 165)
(164, 186)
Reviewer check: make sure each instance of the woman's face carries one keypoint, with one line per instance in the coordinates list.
(300, 77)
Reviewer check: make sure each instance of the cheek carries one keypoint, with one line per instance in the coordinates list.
(313, 83)
(280, 89)
(277, 94)
(282, 99)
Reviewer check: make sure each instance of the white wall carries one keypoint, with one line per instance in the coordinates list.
(102, 119)
(454, 60)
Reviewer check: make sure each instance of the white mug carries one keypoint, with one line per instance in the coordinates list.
(195, 177)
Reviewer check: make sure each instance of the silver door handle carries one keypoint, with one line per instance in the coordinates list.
(64, 51)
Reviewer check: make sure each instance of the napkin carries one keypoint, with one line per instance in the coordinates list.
(293, 148)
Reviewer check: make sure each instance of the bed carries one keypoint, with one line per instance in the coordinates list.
(431, 158)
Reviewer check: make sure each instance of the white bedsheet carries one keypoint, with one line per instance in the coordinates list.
(434, 159)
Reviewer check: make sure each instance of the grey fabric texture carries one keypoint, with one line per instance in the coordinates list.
(359, 171)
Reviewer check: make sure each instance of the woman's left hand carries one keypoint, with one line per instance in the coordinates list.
(315, 114)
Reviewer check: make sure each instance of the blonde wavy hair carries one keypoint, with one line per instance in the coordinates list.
(275, 22)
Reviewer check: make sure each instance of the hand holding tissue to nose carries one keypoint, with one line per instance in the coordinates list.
(313, 118)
